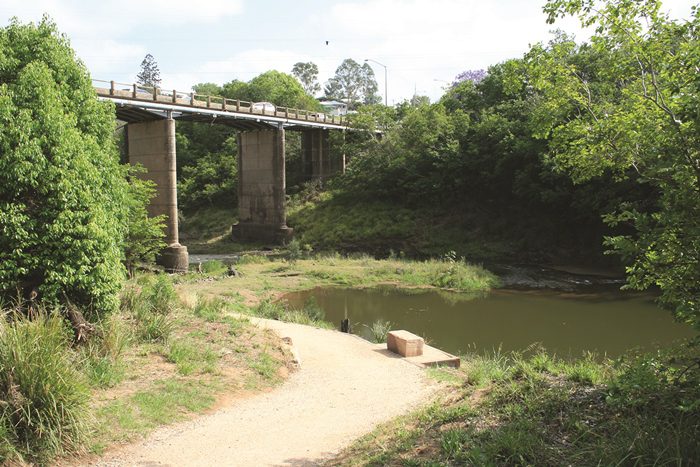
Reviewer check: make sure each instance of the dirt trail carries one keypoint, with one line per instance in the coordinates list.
(344, 389)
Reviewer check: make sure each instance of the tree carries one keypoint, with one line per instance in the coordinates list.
(208, 89)
(149, 74)
(62, 190)
(144, 235)
(272, 86)
(353, 83)
(635, 113)
(307, 74)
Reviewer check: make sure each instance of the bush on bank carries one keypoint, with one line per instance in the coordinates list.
(62, 190)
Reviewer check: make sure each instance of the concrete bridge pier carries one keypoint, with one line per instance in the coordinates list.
(317, 161)
(261, 187)
(152, 144)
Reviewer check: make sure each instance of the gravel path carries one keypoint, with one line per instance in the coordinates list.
(346, 386)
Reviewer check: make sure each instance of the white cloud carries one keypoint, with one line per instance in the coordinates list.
(107, 17)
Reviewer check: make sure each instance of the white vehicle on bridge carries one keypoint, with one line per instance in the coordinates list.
(266, 108)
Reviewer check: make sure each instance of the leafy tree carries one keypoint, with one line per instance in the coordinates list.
(272, 86)
(353, 83)
(62, 191)
(208, 89)
(307, 74)
(212, 179)
(149, 74)
(144, 235)
(637, 113)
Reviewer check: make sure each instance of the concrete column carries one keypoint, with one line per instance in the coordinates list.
(152, 144)
(317, 161)
(261, 187)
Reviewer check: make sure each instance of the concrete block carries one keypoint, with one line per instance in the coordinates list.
(405, 343)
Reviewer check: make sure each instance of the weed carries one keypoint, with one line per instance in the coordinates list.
(379, 330)
(544, 411)
(43, 396)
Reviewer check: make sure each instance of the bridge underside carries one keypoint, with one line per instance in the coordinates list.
(261, 172)
(131, 114)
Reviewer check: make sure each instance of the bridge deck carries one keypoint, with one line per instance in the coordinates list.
(138, 103)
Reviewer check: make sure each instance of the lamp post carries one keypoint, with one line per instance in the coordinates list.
(386, 95)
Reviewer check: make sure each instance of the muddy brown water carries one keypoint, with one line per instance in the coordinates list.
(603, 320)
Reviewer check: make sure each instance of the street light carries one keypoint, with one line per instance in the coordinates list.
(386, 95)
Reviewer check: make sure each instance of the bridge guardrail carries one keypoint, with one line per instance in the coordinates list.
(192, 99)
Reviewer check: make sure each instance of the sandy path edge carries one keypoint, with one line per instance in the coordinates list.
(345, 388)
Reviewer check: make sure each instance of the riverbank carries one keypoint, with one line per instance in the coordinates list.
(261, 277)
(511, 410)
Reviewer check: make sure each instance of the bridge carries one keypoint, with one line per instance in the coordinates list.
(151, 114)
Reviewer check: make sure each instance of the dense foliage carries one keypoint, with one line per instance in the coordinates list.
(632, 107)
(62, 191)
(469, 175)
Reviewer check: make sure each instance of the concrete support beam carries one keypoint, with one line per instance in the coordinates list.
(261, 187)
(317, 161)
(152, 144)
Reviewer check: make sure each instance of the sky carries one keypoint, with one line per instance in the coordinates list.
(423, 44)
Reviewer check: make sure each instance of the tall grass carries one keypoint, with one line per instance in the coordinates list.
(102, 355)
(151, 302)
(43, 397)
(378, 331)
(311, 314)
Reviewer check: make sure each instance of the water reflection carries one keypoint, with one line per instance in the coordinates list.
(568, 323)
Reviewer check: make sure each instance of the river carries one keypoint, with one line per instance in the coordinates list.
(595, 318)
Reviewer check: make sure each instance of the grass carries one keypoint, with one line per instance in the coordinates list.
(43, 395)
(190, 358)
(511, 410)
(267, 276)
(167, 401)
(164, 356)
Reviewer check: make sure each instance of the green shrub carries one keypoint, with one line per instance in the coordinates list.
(294, 251)
(45, 399)
(63, 194)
